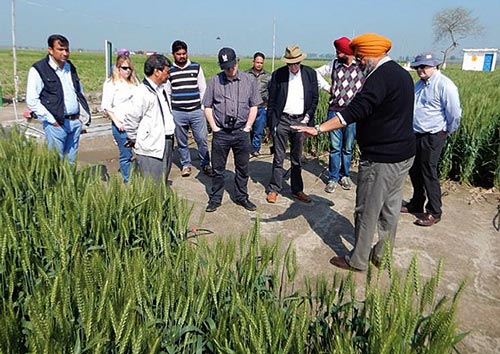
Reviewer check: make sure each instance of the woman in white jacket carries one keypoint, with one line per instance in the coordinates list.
(117, 93)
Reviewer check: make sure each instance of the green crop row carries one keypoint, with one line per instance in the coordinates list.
(88, 266)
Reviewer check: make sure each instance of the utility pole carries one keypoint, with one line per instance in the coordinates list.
(274, 42)
(14, 56)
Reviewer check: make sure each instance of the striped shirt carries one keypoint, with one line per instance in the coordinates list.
(186, 86)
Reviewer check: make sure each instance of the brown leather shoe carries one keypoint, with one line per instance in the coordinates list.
(302, 197)
(186, 171)
(340, 262)
(271, 197)
(427, 220)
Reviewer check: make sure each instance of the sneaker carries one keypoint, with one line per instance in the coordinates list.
(186, 171)
(344, 183)
(208, 170)
(331, 186)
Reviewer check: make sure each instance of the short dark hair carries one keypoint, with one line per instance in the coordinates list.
(178, 44)
(57, 37)
(156, 61)
(259, 54)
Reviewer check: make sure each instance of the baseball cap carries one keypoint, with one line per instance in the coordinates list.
(227, 58)
(425, 59)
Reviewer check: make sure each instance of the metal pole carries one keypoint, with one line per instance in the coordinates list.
(274, 42)
(14, 57)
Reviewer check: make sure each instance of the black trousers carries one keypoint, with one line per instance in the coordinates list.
(281, 137)
(222, 142)
(424, 173)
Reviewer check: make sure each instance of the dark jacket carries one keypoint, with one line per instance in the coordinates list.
(52, 96)
(383, 112)
(278, 91)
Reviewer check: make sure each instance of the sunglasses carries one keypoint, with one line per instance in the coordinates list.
(421, 66)
(292, 64)
(125, 68)
(358, 58)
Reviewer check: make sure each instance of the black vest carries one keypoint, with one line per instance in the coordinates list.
(52, 95)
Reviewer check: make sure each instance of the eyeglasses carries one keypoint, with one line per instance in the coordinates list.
(125, 68)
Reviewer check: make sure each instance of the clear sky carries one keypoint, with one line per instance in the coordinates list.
(247, 26)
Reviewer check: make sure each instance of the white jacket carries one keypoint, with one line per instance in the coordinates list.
(148, 122)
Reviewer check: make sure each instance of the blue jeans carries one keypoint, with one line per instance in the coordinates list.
(196, 120)
(341, 142)
(258, 129)
(64, 138)
(125, 156)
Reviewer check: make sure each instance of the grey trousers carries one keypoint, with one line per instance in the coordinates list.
(378, 205)
(158, 169)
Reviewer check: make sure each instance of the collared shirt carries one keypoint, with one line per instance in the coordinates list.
(437, 105)
(35, 86)
(263, 78)
(295, 97)
(231, 97)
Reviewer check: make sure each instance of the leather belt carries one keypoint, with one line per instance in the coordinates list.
(169, 137)
(293, 116)
(72, 116)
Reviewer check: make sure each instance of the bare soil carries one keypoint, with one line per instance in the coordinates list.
(465, 239)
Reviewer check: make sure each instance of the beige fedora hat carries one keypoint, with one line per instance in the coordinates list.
(293, 55)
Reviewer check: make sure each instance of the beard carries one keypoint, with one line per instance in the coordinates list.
(369, 67)
(342, 60)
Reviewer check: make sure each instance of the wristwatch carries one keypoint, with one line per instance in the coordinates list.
(317, 127)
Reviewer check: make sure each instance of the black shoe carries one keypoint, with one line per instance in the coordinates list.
(248, 205)
(208, 170)
(212, 206)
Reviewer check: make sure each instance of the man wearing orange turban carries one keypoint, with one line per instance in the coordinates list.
(383, 113)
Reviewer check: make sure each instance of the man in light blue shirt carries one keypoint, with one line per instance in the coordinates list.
(55, 95)
(437, 114)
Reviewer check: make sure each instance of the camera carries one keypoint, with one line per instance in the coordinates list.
(230, 121)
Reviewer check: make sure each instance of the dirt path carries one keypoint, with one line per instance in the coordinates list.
(465, 238)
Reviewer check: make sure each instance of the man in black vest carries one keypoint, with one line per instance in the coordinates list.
(54, 93)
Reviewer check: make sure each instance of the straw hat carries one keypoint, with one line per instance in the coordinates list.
(293, 55)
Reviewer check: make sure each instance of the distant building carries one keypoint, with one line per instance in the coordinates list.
(479, 59)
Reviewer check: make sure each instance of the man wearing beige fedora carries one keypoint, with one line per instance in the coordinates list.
(293, 98)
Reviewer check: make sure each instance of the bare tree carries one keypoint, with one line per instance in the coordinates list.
(453, 24)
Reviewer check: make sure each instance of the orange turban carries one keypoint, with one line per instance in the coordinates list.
(370, 45)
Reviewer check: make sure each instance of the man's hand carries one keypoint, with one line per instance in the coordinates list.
(130, 143)
(309, 131)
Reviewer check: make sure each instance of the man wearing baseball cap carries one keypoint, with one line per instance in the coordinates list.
(383, 113)
(437, 114)
(347, 79)
(231, 100)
